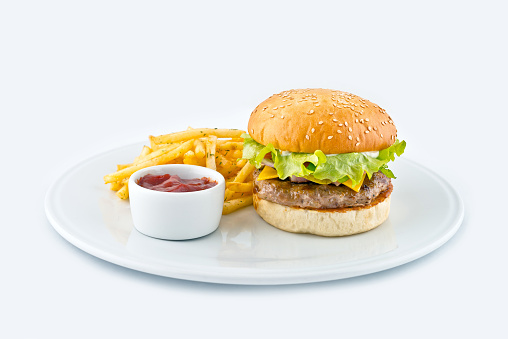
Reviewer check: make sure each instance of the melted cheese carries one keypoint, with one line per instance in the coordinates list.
(271, 173)
(356, 188)
(267, 173)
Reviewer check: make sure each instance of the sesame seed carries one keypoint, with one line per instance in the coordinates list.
(366, 132)
(366, 119)
(282, 117)
(329, 137)
(275, 107)
(339, 131)
(361, 120)
(370, 128)
(320, 122)
(271, 115)
(357, 138)
(350, 137)
(311, 111)
(331, 113)
(252, 130)
(282, 106)
(350, 129)
(307, 136)
(345, 123)
(313, 130)
(357, 144)
(381, 135)
(340, 125)
(335, 120)
(356, 120)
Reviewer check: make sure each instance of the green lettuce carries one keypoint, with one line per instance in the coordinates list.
(317, 165)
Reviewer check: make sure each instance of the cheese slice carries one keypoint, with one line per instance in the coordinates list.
(270, 173)
(267, 173)
(356, 188)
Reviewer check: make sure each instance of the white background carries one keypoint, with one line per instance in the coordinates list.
(81, 77)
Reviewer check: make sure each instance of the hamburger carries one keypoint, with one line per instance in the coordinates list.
(321, 161)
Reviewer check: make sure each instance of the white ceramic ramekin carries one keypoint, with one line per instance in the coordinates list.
(176, 215)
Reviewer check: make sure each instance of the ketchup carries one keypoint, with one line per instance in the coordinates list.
(173, 183)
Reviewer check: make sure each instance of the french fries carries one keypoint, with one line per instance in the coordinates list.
(234, 204)
(218, 149)
(240, 187)
(211, 145)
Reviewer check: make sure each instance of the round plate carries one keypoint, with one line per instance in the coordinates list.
(425, 212)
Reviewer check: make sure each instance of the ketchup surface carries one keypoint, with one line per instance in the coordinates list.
(173, 183)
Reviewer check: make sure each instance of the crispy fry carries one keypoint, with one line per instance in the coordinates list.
(144, 152)
(228, 171)
(237, 154)
(164, 157)
(123, 193)
(229, 145)
(200, 149)
(211, 144)
(190, 158)
(122, 166)
(161, 149)
(115, 186)
(244, 173)
(240, 177)
(244, 187)
(241, 162)
(233, 205)
(198, 133)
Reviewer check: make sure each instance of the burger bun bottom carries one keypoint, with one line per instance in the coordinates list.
(328, 223)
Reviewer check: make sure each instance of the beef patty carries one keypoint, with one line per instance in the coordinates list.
(316, 196)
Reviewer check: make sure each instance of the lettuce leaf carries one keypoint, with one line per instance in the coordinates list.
(339, 167)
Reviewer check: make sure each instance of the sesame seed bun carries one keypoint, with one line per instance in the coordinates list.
(335, 122)
(328, 223)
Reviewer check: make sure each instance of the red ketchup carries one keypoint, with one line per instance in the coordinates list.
(173, 183)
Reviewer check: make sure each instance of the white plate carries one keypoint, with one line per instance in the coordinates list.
(425, 212)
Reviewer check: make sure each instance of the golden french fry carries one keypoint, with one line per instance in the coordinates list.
(241, 162)
(189, 158)
(236, 154)
(211, 144)
(198, 133)
(163, 158)
(160, 150)
(228, 171)
(115, 186)
(123, 193)
(200, 149)
(243, 187)
(246, 170)
(145, 151)
(122, 166)
(244, 173)
(233, 205)
(238, 195)
(229, 145)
